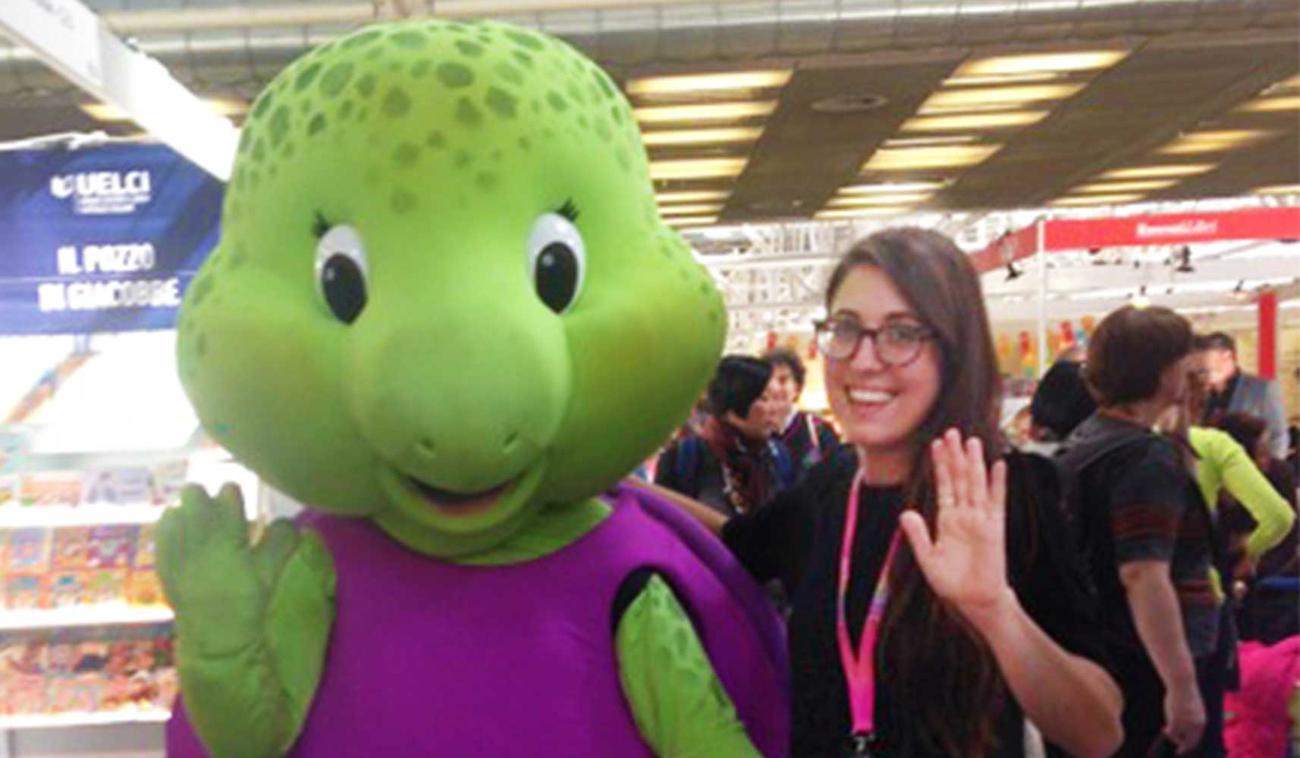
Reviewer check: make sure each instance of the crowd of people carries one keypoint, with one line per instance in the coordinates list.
(1114, 585)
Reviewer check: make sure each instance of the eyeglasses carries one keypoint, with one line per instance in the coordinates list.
(896, 343)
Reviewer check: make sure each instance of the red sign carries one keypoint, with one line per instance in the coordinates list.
(1012, 246)
(1171, 229)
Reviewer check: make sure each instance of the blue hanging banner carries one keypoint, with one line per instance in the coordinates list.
(101, 239)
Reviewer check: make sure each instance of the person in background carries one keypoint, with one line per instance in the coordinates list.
(809, 438)
(924, 545)
(1233, 391)
(1270, 599)
(1147, 533)
(731, 464)
(1225, 471)
(1061, 402)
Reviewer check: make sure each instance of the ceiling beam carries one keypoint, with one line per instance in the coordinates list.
(68, 37)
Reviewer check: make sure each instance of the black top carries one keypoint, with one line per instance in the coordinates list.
(1217, 403)
(1137, 502)
(797, 539)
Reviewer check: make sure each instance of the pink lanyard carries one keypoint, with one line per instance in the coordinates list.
(860, 668)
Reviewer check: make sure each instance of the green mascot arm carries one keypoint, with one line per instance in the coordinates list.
(676, 697)
(252, 622)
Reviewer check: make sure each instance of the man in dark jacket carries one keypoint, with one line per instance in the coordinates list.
(1234, 391)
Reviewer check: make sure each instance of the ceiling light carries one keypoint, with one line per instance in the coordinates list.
(1284, 85)
(1144, 172)
(1015, 95)
(927, 109)
(837, 213)
(1032, 76)
(1116, 199)
(885, 189)
(1278, 189)
(689, 209)
(946, 139)
(731, 80)
(690, 196)
(846, 201)
(972, 121)
(903, 159)
(703, 221)
(1082, 60)
(1273, 104)
(696, 168)
(701, 136)
(1144, 185)
(110, 113)
(1213, 141)
(666, 114)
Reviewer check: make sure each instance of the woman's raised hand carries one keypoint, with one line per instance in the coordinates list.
(965, 561)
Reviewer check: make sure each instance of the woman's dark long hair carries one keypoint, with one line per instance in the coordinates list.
(940, 675)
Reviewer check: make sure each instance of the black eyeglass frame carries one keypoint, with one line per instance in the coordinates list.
(823, 331)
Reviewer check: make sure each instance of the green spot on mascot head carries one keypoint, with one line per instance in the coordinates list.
(452, 341)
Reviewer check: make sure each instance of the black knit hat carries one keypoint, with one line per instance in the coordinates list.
(1062, 400)
(740, 381)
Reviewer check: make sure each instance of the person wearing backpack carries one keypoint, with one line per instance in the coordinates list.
(732, 463)
(1147, 535)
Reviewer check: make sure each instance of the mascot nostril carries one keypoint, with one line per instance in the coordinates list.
(457, 424)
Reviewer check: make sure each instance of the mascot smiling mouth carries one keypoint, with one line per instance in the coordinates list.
(458, 503)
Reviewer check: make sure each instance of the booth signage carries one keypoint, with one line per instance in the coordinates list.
(101, 239)
(1173, 229)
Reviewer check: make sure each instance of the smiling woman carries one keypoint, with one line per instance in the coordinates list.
(982, 601)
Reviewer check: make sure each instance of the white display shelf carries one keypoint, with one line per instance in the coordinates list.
(115, 614)
(84, 718)
(23, 517)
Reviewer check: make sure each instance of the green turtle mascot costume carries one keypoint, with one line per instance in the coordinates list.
(445, 314)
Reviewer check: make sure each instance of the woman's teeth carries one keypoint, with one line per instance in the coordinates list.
(870, 396)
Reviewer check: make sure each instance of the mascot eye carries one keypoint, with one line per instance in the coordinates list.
(341, 271)
(557, 259)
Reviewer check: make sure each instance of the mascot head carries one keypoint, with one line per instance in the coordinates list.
(443, 297)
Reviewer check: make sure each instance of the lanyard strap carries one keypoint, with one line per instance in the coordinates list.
(860, 667)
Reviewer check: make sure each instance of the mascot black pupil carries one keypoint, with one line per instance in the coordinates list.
(344, 287)
(557, 276)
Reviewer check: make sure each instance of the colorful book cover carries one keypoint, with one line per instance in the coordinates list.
(105, 586)
(29, 549)
(63, 656)
(110, 546)
(79, 693)
(71, 547)
(25, 694)
(67, 588)
(116, 693)
(145, 549)
(144, 588)
(8, 490)
(24, 591)
(50, 488)
(22, 655)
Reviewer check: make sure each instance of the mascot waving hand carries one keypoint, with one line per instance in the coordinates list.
(446, 315)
